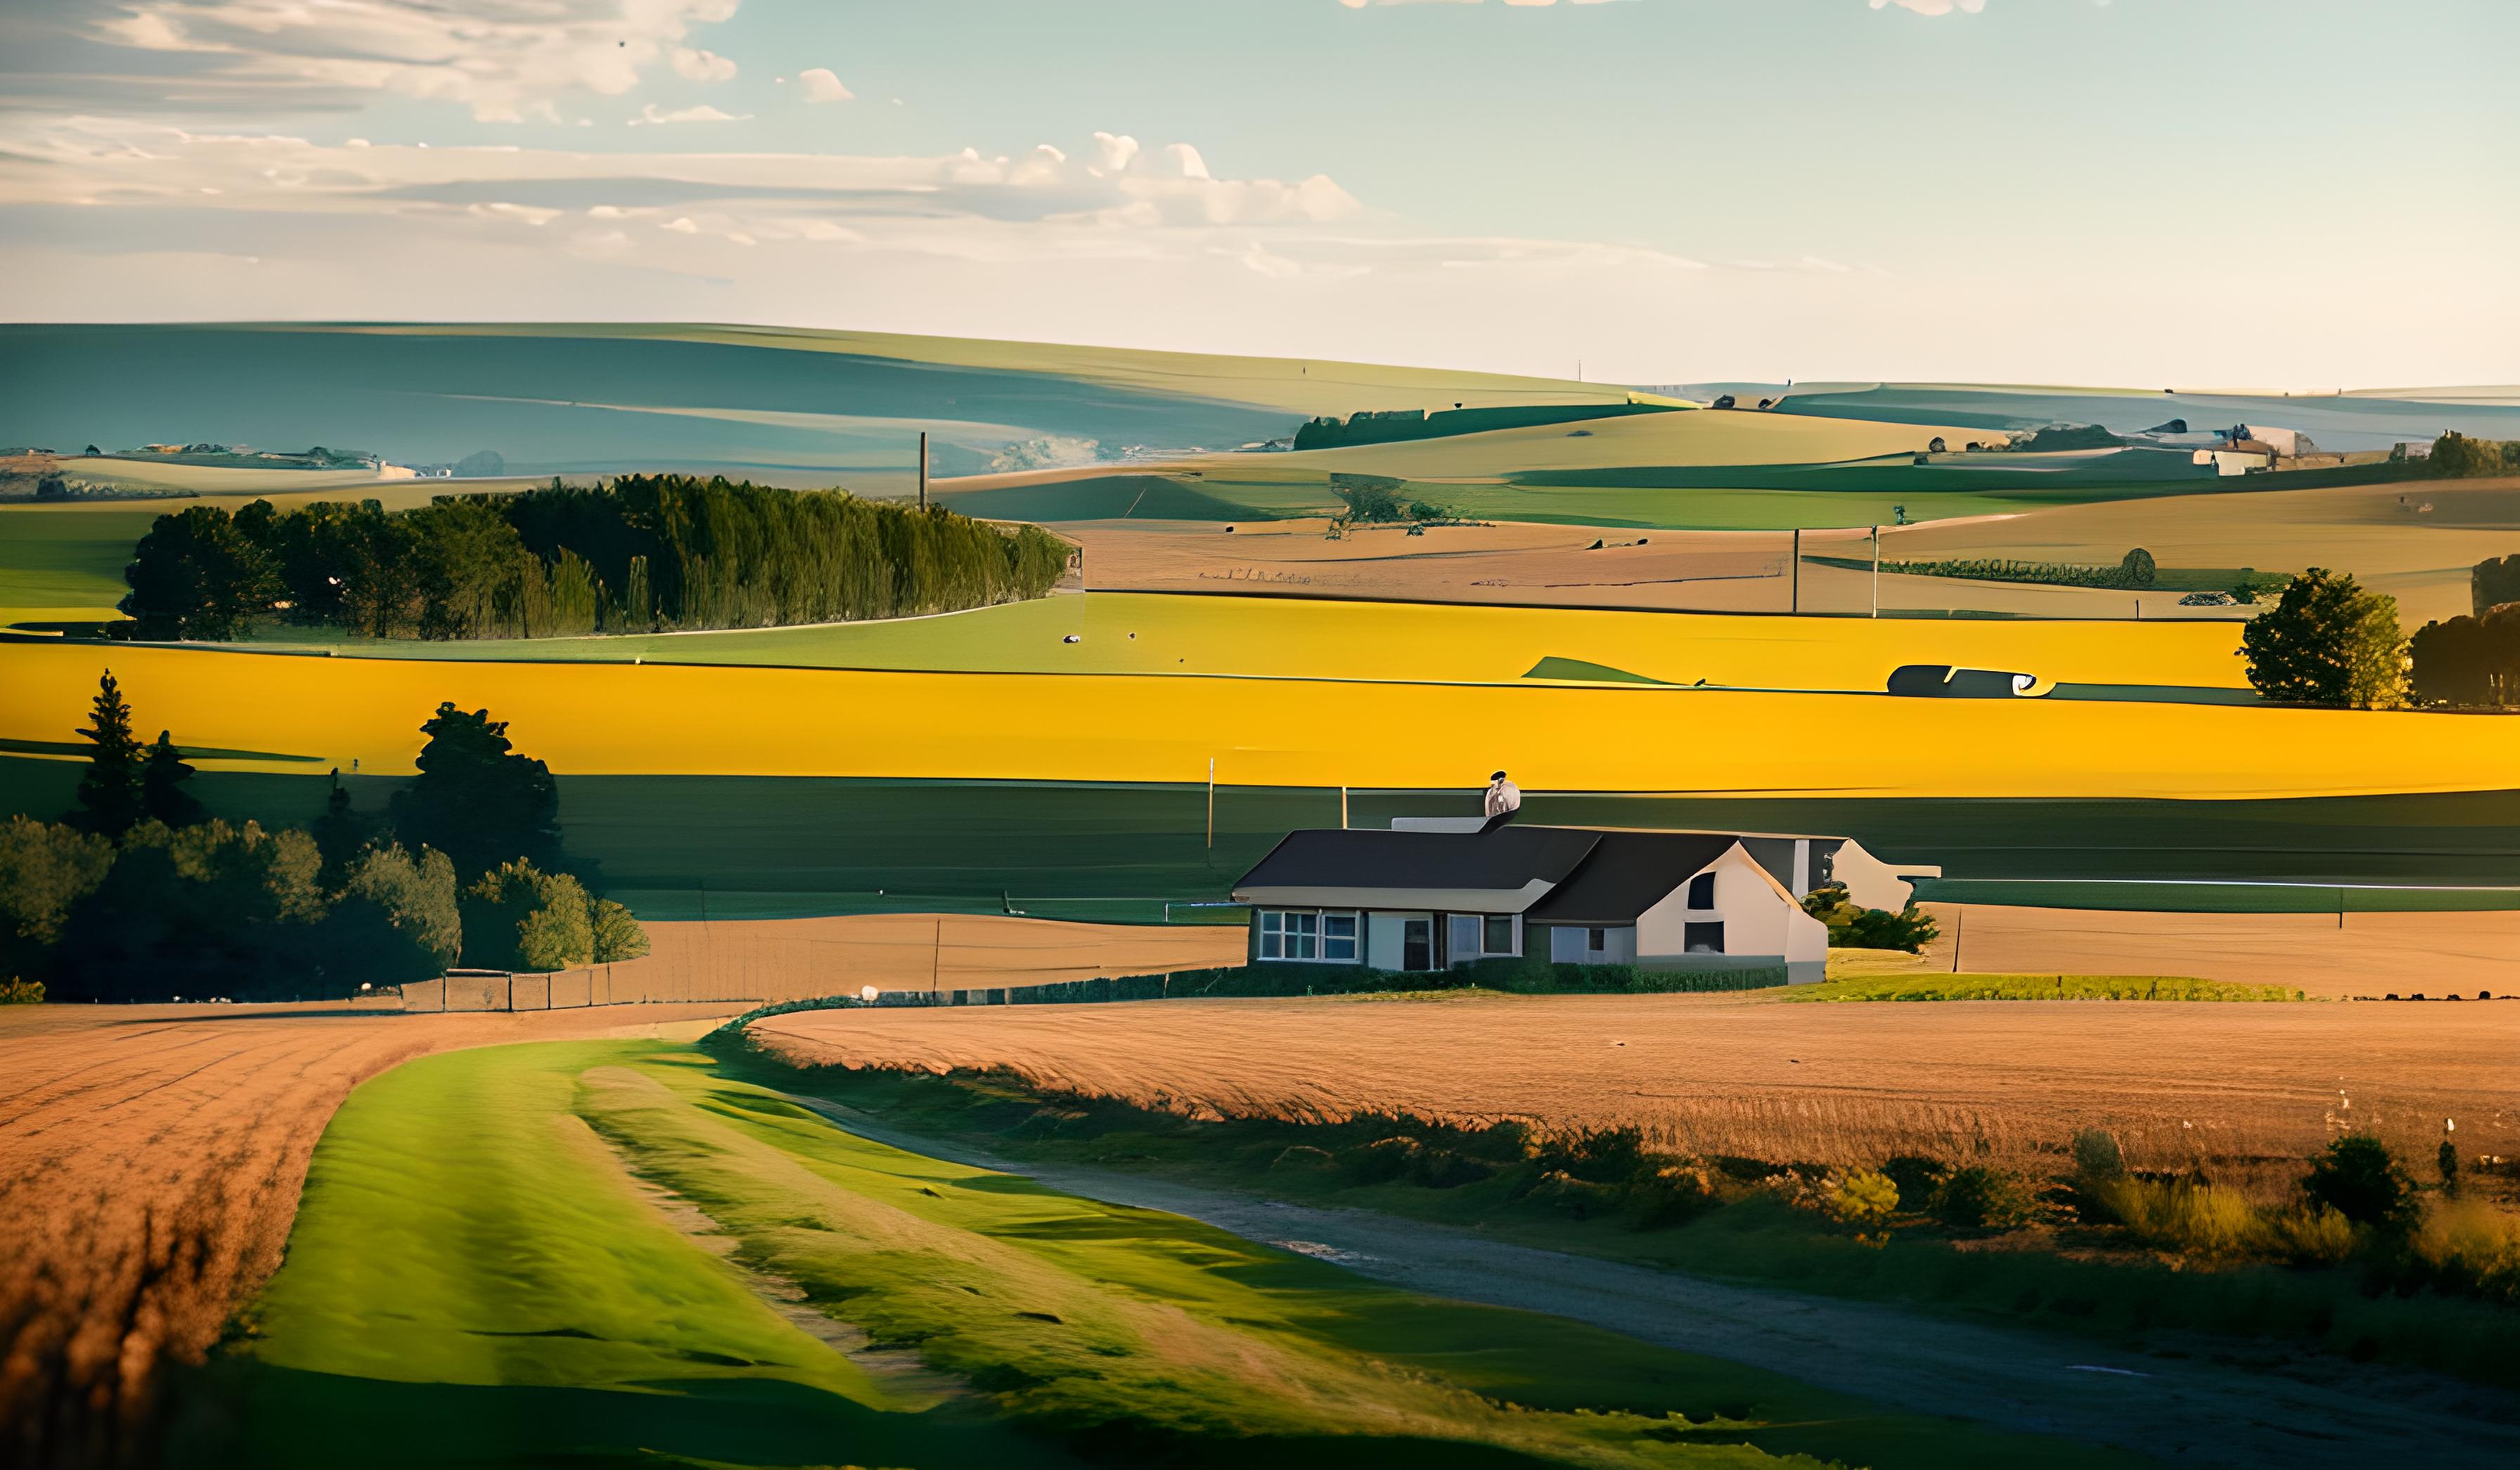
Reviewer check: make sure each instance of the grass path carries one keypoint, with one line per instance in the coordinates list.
(525, 1253)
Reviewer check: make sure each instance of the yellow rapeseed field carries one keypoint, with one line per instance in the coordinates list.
(612, 718)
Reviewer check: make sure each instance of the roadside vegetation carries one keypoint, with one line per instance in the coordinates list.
(1938, 987)
(137, 894)
(1852, 926)
(837, 1300)
(641, 554)
(2352, 1256)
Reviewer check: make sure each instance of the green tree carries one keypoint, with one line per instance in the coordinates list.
(398, 920)
(516, 917)
(110, 797)
(2327, 642)
(2137, 568)
(197, 576)
(476, 799)
(162, 796)
(208, 910)
(2357, 1179)
(617, 932)
(340, 835)
(1852, 926)
(2454, 455)
(44, 869)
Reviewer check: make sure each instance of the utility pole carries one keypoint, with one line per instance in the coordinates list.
(1876, 571)
(1211, 803)
(922, 469)
(1959, 912)
(1796, 604)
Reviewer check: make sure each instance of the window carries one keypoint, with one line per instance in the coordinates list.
(1307, 933)
(1498, 939)
(1701, 891)
(1596, 939)
(1463, 938)
(1702, 939)
(1338, 937)
(1470, 936)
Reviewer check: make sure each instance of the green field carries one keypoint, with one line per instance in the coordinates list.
(677, 846)
(618, 1253)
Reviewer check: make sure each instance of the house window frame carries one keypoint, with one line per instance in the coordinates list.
(1480, 921)
(1314, 933)
(1689, 899)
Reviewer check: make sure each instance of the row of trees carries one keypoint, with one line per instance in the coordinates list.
(639, 554)
(2470, 660)
(2456, 456)
(138, 894)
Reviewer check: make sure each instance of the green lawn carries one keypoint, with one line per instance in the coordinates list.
(625, 1254)
(67, 559)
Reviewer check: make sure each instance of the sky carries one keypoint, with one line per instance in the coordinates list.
(2297, 195)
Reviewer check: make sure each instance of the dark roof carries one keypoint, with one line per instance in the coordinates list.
(1626, 874)
(1503, 859)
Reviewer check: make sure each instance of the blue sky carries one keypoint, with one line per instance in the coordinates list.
(2251, 193)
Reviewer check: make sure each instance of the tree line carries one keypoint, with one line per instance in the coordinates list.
(642, 553)
(138, 894)
(2456, 456)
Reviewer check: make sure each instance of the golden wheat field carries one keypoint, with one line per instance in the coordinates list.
(151, 1158)
(2006, 1081)
(590, 720)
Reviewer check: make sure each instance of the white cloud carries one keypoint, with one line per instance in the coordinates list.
(822, 86)
(505, 62)
(703, 66)
(701, 112)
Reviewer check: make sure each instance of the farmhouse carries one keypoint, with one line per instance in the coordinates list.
(1422, 899)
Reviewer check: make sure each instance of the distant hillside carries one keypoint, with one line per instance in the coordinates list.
(579, 399)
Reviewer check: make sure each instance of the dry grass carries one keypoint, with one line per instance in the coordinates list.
(798, 959)
(151, 1158)
(2368, 954)
(2240, 1093)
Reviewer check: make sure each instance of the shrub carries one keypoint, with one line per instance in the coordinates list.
(1916, 1177)
(2357, 1179)
(516, 917)
(1852, 926)
(1672, 1195)
(2097, 1156)
(1865, 1198)
(16, 992)
(1978, 1198)
(616, 933)
(1603, 1156)
(2137, 568)
(1574, 1198)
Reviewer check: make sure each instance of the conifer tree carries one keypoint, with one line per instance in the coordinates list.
(162, 797)
(109, 790)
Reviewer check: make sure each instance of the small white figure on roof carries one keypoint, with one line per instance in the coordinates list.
(1503, 796)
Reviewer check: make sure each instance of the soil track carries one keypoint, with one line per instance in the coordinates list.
(2302, 1415)
(151, 1158)
(2235, 1083)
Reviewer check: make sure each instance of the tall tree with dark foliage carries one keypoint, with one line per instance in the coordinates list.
(109, 798)
(476, 799)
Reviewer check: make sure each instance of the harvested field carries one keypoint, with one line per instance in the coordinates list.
(2246, 1089)
(2367, 954)
(151, 1158)
(793, 959)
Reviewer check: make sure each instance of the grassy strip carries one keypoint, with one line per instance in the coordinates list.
(2034, 988)
(1742, 1219)
(484, 1270)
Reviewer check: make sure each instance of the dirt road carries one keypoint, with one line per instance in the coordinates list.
(151, 1158)
(2008, 1081)
(2187, 1412)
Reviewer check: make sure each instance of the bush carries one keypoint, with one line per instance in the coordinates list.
(1852, 926)
(1602, 1156)
(1674, 1194)
(516, 917)
(1916, 1177)
(617, 932)
(16, 992)
(2357, 1179)
(1865, 1198)
(1978, 1198)
(2097, 1156)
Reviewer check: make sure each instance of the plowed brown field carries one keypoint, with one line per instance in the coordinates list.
(151, 1158)
(2233, 1086)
